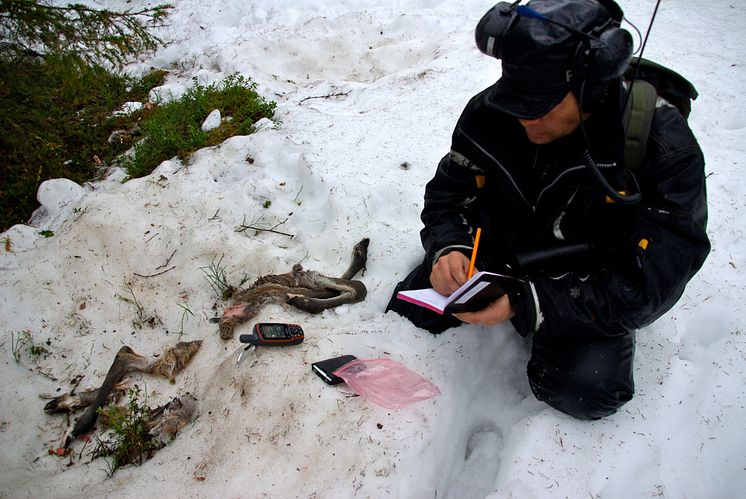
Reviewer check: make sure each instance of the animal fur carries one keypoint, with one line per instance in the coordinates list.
(168, 420)
(161, 427)
(73, 401)
(126, 361)
(304, 289)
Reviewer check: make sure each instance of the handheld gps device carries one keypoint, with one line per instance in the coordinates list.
(273, 334)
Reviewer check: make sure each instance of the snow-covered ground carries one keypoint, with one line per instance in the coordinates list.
(368, 93)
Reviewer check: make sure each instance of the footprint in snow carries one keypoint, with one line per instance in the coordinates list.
(481, 462)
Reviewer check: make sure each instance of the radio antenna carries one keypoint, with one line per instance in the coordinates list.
(642, 50)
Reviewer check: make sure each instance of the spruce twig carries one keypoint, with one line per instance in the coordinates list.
(36, 27)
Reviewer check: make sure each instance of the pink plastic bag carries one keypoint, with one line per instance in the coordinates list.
(386, 382)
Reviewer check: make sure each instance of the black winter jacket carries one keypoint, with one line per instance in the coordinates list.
(629, 264)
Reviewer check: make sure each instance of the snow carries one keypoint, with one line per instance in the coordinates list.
(368, 93)
(212, 121)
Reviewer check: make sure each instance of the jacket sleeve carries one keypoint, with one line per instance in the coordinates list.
(451, 208)
(659, 247)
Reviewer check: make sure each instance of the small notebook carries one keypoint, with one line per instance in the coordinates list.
(475, 294)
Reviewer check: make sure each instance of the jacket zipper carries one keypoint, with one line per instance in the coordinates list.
(515, 185)
(504, 170)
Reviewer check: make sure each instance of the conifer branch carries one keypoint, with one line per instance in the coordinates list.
(36, 27)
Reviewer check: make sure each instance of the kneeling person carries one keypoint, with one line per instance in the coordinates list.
(537, 161)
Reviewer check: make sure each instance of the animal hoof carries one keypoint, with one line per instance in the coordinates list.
(56, 404)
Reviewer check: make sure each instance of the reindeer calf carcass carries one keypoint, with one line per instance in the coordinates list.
(304, 289)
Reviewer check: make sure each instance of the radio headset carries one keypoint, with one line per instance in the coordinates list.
(602, 54)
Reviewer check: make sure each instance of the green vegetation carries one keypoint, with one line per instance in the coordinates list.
(215, 275)
(131, 441)
(18, 342)
(59, 88)
(37, 27)
(24, 339)
(57, 92)
(56, 117)
(175, 128)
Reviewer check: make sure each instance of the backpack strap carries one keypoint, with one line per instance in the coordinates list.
(637, 120)
(670, 85)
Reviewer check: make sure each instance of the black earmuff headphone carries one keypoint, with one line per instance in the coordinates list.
(602, 54)
(493, 25)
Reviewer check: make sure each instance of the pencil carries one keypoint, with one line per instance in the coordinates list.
(474, 253)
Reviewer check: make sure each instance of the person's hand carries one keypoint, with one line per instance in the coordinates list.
(449, 272)
(496, 312)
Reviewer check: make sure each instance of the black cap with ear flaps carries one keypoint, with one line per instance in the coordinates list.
(548, 48)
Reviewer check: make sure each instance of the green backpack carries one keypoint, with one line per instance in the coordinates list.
(652, 80)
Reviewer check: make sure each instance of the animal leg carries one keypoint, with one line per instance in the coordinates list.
(125, 361)
(70, 402)
(346, 291)
(306, 290)
(359, 259)
(249, 302)
(235, 315)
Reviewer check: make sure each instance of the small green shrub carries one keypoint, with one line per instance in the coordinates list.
(174, 129)
(131, 441)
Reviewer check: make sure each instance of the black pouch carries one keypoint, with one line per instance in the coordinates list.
(325, 368)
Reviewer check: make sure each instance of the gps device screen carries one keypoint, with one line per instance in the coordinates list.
(275, 331)
(273, 334)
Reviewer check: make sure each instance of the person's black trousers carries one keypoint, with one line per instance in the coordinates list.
(584, 373)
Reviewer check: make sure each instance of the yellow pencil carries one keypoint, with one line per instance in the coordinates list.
(474, 253)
